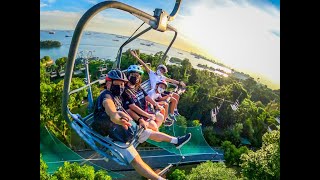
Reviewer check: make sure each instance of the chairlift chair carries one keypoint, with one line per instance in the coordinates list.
(213, 114)
(272, 127)
(106, 146)
(235, 105)
(278, 120)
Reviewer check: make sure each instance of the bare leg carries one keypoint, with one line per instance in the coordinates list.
(177, 97)
(160, 137)
(153, 125)
(159, 119)
(166, 107)
(143, 169)
(173, 103)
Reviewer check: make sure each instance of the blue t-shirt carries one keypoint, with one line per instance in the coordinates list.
(102, 123)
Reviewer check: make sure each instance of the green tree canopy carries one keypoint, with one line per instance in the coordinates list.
(214, 171)
(75, 171)
(177, 174)
(265, 162)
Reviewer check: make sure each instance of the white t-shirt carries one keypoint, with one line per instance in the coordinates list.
(154, 78)
(153, 95)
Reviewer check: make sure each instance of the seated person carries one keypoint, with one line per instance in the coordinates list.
(156, 94)
(157, 76)
(136, 99)
(111, 119)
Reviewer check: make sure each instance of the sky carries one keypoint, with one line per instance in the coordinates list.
(242, 34)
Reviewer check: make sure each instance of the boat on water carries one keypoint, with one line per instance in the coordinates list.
(68, 36)
(51, 32)
(115, 39)
(119, 36)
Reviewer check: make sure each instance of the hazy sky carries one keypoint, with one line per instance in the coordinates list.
(243, 34)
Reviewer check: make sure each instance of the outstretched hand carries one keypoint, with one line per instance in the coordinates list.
(143, 123)
(152, 117)
(124, 120)
(134, 54)
(182, 84)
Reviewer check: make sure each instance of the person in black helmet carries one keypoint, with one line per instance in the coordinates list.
(111, 119)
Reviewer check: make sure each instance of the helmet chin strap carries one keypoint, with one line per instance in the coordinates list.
(109, 87)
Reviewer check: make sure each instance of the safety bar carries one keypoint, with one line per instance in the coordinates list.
(100, 138)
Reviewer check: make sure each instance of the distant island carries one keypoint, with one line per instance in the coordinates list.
(211, 68)
(49, 44)
(175, 60)
(197, 56)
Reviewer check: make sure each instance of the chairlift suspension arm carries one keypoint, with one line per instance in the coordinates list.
(174, 38)
(175, 10)
(78, 33)
(118, 60)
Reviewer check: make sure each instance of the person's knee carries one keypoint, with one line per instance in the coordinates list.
(159, 117)
(153, 125)
(173, 100)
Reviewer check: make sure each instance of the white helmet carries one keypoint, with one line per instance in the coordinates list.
(164, 67)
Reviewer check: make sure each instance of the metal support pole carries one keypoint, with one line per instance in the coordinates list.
(90, 98)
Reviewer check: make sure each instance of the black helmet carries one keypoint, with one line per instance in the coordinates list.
(116, 74)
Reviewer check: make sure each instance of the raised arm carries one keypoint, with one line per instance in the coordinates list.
(134, 54)
(117, 117)
(175, 82)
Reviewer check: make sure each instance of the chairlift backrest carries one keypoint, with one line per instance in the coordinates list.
(234, 107)
(277, 119)
(272, 127)
(213, 115)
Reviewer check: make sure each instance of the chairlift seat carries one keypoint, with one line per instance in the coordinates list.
(233, 107)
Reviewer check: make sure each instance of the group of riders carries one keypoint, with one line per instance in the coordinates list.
(124, 106)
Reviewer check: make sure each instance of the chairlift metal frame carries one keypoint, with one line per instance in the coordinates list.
(104, 145)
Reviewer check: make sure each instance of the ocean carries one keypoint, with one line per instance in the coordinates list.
(104, 45)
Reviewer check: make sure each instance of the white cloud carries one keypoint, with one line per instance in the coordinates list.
(238, 34)
(58, 19)
(43, 4)
(92, 1)
(68, 20)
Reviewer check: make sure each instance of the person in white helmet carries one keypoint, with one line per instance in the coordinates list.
(158, 76)
(156, 94)
(136, 99)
